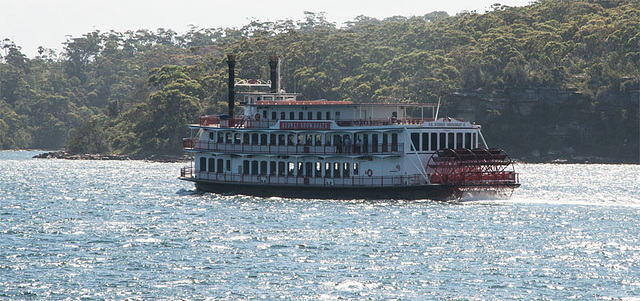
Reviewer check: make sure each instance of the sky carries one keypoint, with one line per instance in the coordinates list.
(48, 23)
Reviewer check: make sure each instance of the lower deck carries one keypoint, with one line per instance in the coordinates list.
(435, 192)
(350, 181)
(395, 192)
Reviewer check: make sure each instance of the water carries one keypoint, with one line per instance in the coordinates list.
(99, 230)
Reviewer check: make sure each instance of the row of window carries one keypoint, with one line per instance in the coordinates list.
(435, 141)
(316, 169)
(292, 115)
(304, 139)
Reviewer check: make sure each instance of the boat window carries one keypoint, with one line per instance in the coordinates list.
(291, 168)
(394, 142)
(327, 170)
(290, 139)
(263, 139)
(238, 138)
(310, 115)
(385, 142)
(245, 138)
(309, 140)
(272, 139)
(300, 169)
(300, 138)
(211, 135)
(282, 116)
(459, 140)
(467, 140)
(336, 170)
(281, 139)
(443, 141)
(281, 168)
(245, 167)
(272, 168)
(425, 141)
(228, 165)
(300, 115)
(374, 143)
(203, 164)
(319, 115)
(328, 115)
(318, 140)
(273, 115)
(415, 140)
(450, 141)
(264, 114)
(345, 170)
(220, 166)
(434, 141)
(212, 165)
(254, 167)
(318, 169)
(308, 169)
(229, 138)
(254, 138)
(292, 115)
(365, 143)
(263, 168)
(220, 137)
(355, 169)
(337, 115)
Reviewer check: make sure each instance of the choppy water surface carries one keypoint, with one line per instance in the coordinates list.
(123, 229)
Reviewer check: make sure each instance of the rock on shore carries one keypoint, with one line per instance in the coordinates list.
(68, 156)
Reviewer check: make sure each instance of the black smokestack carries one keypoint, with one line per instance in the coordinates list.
(273, 63)
(231, 60)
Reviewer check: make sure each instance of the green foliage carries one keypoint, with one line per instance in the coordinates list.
(88, 138)
(138, 89)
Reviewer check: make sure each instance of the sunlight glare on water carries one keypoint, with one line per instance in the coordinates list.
(131, 229)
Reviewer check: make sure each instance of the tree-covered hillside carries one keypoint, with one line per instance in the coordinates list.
(552, 79)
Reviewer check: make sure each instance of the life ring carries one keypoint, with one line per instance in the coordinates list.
(369, 172)
(257, 117)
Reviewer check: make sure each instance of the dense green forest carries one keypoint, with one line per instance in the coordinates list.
(552, 79)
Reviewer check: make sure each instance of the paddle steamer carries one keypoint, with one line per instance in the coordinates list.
(284, 146)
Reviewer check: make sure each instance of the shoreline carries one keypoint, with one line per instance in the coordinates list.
(185, 158)
(153, 158)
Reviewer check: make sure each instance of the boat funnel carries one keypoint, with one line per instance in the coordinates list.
(231, 61)
(273, 63)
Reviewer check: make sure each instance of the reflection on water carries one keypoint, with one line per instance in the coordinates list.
(130, 229)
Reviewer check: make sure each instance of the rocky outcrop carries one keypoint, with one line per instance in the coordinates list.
(69, 156)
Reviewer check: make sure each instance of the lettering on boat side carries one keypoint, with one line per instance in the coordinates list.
(448, 124)
(305, 125)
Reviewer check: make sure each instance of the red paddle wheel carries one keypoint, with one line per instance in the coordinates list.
(480, 170)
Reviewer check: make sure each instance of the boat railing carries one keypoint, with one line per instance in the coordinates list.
(204, 145)
(380, 122)
(241, 121)
(186, 172)
(351, 181)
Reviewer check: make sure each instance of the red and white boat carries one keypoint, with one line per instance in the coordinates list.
(287, 147)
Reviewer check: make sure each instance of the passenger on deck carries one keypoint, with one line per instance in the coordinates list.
(347, 144)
